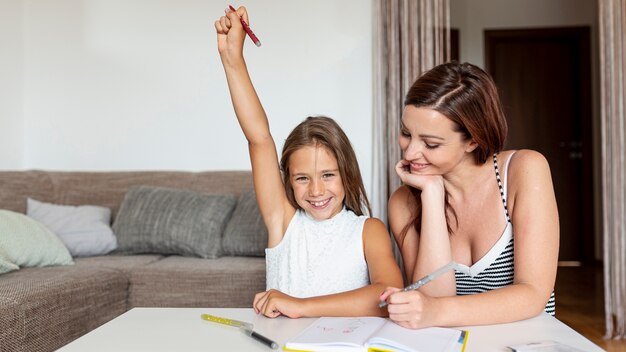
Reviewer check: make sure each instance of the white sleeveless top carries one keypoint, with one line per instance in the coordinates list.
(318, 258)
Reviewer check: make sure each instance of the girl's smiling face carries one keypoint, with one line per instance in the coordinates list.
(316, 181)
(430, 141)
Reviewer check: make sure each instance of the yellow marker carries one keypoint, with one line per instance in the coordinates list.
(244, 327)
(225, 321)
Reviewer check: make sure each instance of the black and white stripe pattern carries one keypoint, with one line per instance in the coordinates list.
(500, 272)
(495, 166)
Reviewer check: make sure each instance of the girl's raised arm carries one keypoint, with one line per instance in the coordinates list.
(273, 204)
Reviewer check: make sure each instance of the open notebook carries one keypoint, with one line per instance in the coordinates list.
(374, 334)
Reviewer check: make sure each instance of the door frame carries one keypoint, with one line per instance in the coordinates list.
(581, 36)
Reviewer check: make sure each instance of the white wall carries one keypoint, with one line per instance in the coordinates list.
(137, 84)
(11, 85)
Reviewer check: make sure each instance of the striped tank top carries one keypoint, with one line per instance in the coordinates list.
(495, 269)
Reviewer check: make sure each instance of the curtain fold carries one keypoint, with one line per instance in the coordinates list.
(411, 36)
(613, 121)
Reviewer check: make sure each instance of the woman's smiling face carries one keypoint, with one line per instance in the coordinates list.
(430, 141)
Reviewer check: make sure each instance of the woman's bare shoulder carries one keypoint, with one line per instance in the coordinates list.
(528, 170)
(402, 198)
(525, 161)
(402, 205)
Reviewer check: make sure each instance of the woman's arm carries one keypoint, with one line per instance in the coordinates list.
(430, 249)
(401, 206)
(273, 204)
(535, 219)
(383, 272)
(532, 206)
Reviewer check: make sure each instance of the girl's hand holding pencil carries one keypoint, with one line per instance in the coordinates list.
(231, 34)
(246, 28)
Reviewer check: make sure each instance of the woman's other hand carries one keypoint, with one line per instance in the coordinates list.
(410, 309)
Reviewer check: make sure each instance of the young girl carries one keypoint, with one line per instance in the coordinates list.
(325, 256)
(464, 199)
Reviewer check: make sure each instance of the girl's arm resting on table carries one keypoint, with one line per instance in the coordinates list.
(363, 301)
(273, 204)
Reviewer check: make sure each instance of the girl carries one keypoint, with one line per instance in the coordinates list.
(325, 257)
(464, 199)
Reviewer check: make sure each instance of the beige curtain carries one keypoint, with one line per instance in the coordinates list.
(613, 94)
(411, 36)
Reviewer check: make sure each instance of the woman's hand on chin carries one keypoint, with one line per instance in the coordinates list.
(422, 182)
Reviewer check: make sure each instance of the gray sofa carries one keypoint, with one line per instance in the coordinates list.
(42, 309)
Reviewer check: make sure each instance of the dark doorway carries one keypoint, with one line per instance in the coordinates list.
(455, 47)
(544, 78)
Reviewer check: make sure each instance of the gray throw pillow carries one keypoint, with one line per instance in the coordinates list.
(172, 221)
(85, 230)
(245, 234)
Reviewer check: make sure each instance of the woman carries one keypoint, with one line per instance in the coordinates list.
(466, 200)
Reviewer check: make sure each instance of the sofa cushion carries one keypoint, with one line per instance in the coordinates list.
(193, 282)
(16, 186)
(108, 189)
(25, 242)
(245, 233)
(85, 230)
(11, 325)
(121, 263)
(45, 308)
(172, 221)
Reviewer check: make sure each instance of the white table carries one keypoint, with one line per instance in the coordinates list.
(181, 329)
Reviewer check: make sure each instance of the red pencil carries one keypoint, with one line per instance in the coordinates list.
(256, 40)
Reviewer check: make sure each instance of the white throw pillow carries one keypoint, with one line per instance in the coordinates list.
(25, 242)
(84, 229)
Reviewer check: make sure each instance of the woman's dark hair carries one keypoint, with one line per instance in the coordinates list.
(466, 95)
(324, 131)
